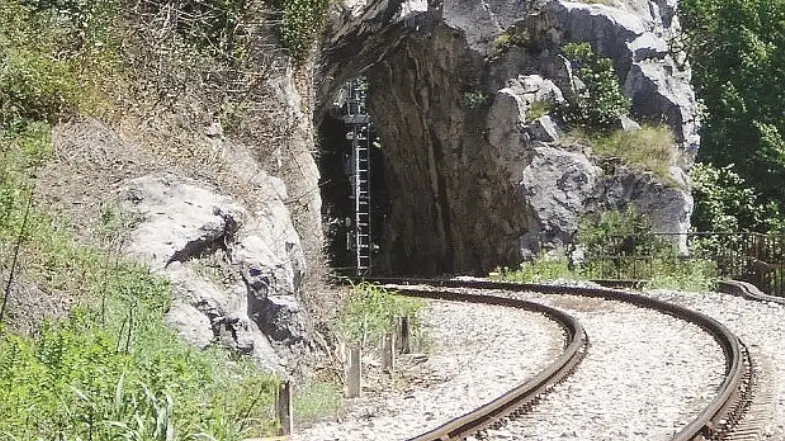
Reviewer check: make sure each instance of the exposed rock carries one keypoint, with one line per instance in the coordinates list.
(544, 129)
(669, 205)
(183, 222)
(627, 124)
(557, 185)
(455, 170)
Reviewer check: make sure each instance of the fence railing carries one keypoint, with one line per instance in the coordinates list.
(751, 257)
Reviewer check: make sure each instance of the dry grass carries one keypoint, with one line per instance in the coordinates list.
(652, 148)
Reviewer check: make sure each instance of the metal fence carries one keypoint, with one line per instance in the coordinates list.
(751, 257)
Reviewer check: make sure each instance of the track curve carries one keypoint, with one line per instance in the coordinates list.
(712, 423)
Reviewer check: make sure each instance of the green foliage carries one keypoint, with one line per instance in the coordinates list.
(511, 37)
(112, 369)
(301, 24)
(614, 232)
(54, 56)
(737, 50)
(475, 99)
(724, 202)
(602, 102)
(537, 109)
(316, 401)
(696, 275)
(544, 268)
(370, 311)
(652, 148)
(621, 244)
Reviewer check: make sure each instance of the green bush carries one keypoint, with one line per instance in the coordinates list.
(369, 312)
(602, 102)
(725, 202)
(54, 57)
(511, 37)
(301, 24)
(542, 269)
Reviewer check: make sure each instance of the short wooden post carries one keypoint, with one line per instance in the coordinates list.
(404, 336)
(284, 408)
(354, 373)
(388, 353)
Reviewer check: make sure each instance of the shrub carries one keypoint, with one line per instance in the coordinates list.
(369, 312)
(474, 99)
(544, 268)
(602, 102)
(301, 23)
(538, 109)
(511, 37)
(724, 202)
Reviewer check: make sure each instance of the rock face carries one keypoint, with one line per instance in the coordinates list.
(235, 271)
(459, 95)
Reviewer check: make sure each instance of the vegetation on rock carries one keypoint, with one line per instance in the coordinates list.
(601, 103)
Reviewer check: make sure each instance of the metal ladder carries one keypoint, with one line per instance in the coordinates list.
(359, 123)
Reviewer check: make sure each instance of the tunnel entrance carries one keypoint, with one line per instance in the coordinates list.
(355, 201)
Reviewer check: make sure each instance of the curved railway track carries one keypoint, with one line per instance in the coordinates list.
(712, 423)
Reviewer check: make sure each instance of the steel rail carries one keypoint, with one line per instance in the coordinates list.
(522, 395)
(714, 420)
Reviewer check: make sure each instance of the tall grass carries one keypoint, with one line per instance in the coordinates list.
(652, 148)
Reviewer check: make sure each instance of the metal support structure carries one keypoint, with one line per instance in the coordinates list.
(359, 123)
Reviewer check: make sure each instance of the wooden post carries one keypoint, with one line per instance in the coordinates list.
(405, 336)
(354, 373)
(284, 408)
(388, 353)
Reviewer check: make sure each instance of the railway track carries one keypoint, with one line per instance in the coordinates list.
(714, 422)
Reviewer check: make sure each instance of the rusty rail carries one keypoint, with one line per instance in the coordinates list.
(719, 416)
(524, 394)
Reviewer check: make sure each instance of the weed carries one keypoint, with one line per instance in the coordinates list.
(537, 109)
(112, 369)
(599, 105)
(544, 268)
(370, 311)
(652, 148)
(316, 401)
(511, 37)
(475, 99)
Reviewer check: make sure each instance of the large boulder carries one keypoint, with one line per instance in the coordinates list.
(557, 185)
(184, 226)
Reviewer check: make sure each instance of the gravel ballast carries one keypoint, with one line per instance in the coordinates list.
(760, 325)
(478, 351)
(646, 375)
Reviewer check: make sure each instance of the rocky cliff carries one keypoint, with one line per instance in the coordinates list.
(475, 181)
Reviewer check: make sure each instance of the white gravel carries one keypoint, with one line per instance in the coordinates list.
(471, 344)
(761, 326)
(646, 375)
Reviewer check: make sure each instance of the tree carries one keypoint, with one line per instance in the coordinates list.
(737, 48)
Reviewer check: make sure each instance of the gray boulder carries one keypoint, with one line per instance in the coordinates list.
(182, 223)
(557, 185)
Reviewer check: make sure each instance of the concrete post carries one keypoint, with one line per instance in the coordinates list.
(354, 372)
(284, 408)
(388, 353)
